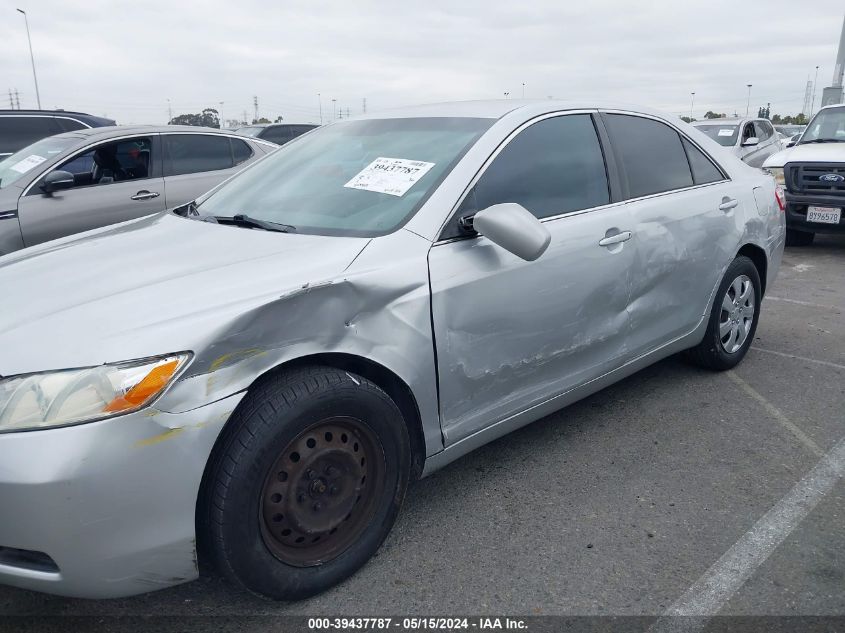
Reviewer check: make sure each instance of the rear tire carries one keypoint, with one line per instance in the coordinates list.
(733, 318)
(306, 483)
(799, 238)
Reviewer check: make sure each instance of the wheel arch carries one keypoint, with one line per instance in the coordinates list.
(758, 257)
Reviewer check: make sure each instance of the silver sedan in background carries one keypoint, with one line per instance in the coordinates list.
(750, 140)
(254, 381)
(89, 178)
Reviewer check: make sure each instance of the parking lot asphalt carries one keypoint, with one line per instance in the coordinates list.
(621, 503)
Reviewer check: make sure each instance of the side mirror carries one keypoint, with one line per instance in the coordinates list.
(514, 228)
(791, 144)
(751, 141)
(56, 180)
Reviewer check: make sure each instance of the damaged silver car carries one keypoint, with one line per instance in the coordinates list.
(254, 380)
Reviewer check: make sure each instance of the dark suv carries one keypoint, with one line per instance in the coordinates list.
(19, 128)
(278, 133)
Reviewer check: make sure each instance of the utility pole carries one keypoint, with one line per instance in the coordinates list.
(347, 112)
(692, 101)
(813, 103)
(169, 112)
(31, 57)
(748, 103)
(364, 105)
(17, 99)
(255, 104)
(11, 100)
(320, 104)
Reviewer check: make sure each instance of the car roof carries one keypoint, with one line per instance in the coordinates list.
(732, 120)
(81, 116)
(124, 130)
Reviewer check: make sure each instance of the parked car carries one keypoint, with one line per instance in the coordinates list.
(751, 140)
(278, 133)
(263, 375)
(790, 131)
(85, 179)
(812, 173)
(19, 128)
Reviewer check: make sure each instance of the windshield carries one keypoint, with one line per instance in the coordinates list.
(724, 134)
(21, 162)
(826, 125)
(356, 178)
(249, 131)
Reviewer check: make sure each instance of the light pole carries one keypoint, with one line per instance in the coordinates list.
(813, 104)
(507, 94)
(31, 57)
(320, 104)
(523, 90)
(692, 101)
(220, 114)
(748, 103)
(334, 109)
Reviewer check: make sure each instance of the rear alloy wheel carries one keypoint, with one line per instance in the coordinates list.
(305, 483)
(799, 238)
(733, 318)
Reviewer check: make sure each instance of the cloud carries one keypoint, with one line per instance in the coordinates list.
(128, 60)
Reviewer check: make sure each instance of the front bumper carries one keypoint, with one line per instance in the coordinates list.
(112, 503)
(796, 213)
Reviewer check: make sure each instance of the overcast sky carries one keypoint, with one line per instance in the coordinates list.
(126, 59)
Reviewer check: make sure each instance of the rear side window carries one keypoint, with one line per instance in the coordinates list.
(194, 153)
(703, 169)
(16, 132)
(278, 134)
(651, 154)
(240, 151)
(552, 167)
(69, 125)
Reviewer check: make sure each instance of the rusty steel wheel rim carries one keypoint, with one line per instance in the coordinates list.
(322, 491)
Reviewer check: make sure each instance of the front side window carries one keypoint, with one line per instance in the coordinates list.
(118, 161)
(16, 132)
(25, 160)
(652, 157)
(361, 178)
(763, 130)
(194, 153)
(554, 166)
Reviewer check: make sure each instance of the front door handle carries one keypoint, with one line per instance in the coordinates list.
(624, 236)
(727, 204)
(145, 195)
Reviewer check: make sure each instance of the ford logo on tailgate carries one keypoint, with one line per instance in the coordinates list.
(831, 178)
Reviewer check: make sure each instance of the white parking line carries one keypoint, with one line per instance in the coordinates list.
(707, 596)
(804, 303)
(804, 358)
(777, 414)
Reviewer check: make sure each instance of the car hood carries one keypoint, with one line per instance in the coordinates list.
(812, 153)
(152, 286)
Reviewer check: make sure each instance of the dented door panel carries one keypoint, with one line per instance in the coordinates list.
(511, 334)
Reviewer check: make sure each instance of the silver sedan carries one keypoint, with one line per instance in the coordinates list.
(255, 380)
(89, 178)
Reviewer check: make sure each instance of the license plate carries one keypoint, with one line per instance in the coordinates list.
(825, 215)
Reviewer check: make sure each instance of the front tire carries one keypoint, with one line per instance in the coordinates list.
(306, 484)
(799, 238)
(733, 318)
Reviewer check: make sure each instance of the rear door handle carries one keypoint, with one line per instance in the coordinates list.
(624, 236)
(727, 204)
(145, 195)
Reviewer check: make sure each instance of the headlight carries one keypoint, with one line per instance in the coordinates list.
(777, 172)
(71, 396)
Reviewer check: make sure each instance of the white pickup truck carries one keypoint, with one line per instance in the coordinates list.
(812, 174)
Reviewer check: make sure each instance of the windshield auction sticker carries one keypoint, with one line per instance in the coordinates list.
(23, 166)
(393, 176)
